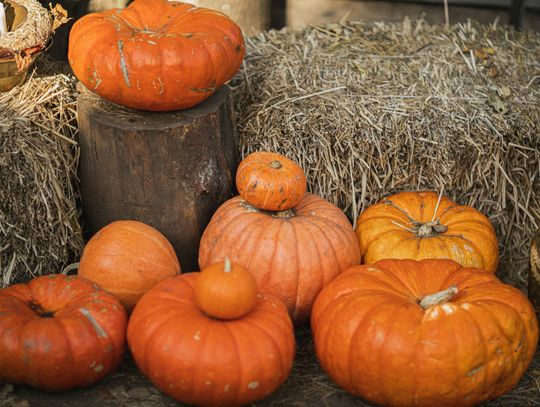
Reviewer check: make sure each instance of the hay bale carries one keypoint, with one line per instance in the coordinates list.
(39, 227)
(372, 109)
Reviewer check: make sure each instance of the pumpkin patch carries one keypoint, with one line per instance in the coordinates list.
(59, 332)
(201, 360)
(409, 333)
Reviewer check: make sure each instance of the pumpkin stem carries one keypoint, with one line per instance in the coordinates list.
(287, 214)
(228, 266)
(439, 298)
(276, 164)
(38, 309)
(430, 229)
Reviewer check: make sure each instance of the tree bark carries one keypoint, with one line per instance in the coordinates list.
(170, 170)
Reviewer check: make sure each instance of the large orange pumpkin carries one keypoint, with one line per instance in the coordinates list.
(292, 254)
(127, 258)
(201, 360)
(428, 333)
(419, 225)
(270, 181)
(155, 54)
(59, 332)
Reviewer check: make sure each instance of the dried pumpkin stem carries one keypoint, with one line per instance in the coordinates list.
(228, 266)
(430, 229)
(276, 164)
(439, 298)
(287, 214)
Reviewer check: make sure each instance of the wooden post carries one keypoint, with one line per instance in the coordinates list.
(253, 16)
(170, 170)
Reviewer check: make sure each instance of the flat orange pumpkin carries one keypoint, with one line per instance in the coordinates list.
(155, 54)
(429, 333)
(416, 225)
(197, 359)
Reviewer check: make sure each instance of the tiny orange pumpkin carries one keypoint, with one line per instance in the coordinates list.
(225, 291)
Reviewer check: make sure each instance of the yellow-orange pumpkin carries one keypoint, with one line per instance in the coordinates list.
(292, 254)
(417, 225)
(127, 258)
(59, 332)
(428, 333)
(205, 361)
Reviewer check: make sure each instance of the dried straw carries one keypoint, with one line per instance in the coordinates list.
(369, 110)
(39, 227)
(35, 30)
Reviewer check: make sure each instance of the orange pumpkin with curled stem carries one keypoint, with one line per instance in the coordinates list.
(270, 181)
(425, 225)
(225, 291)
(423, 333)
(59, 332)
(206, 361)
(155, 54)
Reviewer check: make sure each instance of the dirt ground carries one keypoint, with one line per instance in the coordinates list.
(307, 385)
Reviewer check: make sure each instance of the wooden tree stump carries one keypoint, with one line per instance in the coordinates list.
(170, 170)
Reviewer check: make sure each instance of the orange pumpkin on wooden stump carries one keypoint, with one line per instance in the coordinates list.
(427, 333)
(59, 332)
(270, 181)
(425, 225)
(201, 359)
(292, 254)
(155, 54)
(127, 258)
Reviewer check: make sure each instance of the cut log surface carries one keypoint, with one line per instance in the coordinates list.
(170, 170)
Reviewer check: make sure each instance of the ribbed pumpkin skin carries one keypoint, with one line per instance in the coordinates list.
(270, 181)
(291, 258)
(374, 339)
(127, 258)
(209, 362)
(78, 346)
(470, 239)
(155, 54)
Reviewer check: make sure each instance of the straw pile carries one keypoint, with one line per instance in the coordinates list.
(39, 227)
(369, 110)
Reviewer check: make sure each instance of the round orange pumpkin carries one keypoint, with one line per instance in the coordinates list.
(417, 225)
(292, 254)
(155, 54)
(127, 258)
(225, 291)
(59, 332)
(200, 360)
(428, 333)
(270, 181)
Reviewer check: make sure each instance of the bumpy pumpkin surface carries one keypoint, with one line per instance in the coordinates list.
(59, 332)
(270, 181)
(428, 333)
(205, 361)
(155, 54)
(127, 258)
(415, 225)
(292, 254)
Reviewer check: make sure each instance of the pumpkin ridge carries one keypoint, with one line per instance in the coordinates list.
(323, 233)
(264, 279)
(483, 341)
(249, 235)
(239, 365)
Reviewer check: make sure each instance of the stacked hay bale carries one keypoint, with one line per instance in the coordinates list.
(369, 110)
(39, 226)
